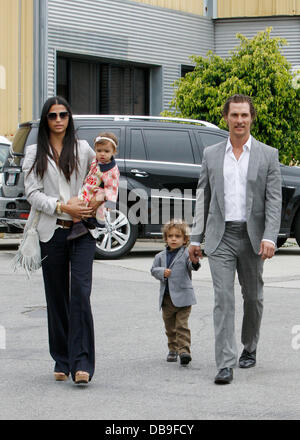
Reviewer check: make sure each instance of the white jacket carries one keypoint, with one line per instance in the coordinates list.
(43, 194)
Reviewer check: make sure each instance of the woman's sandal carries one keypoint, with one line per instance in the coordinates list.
(60, 377)
(82, 377)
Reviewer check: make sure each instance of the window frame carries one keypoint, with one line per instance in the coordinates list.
(69, 58)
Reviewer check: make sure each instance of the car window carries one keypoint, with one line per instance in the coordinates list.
(19, 142)
(169, 145)
(137, 147)
(208, 138)
(4, 149)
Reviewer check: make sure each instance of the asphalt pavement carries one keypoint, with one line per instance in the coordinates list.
(132, 380)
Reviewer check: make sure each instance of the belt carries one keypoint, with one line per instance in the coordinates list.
(236, 226)
(64, 223)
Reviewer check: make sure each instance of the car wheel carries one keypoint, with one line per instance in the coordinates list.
(297, 228)
(116, 238)
(281, 241)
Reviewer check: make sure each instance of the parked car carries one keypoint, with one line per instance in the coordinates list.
(5, 145)
(159, 161)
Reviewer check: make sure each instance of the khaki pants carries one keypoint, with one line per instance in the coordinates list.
(176, 324)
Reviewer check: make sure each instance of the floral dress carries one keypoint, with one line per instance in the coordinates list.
(103, 182)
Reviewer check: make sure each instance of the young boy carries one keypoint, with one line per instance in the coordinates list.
(172, 267)
(102, 182)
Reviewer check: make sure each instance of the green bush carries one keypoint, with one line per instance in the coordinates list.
(255, 68)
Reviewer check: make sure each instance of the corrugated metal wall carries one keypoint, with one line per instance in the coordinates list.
(129, 31)
(285, 27)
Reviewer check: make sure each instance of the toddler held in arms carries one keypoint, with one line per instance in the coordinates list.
(101, 183)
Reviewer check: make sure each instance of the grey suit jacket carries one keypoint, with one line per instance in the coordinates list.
(263, 196)
(43, 194)
(180, 281)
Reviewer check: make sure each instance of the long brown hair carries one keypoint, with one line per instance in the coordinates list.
(68, 160)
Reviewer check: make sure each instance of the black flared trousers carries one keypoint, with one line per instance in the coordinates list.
(67, 271)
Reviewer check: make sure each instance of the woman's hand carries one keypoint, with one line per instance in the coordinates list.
(78, 209)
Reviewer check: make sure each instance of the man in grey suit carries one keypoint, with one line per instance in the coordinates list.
(238, 209)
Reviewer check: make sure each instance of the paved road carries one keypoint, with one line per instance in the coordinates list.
(132, 379)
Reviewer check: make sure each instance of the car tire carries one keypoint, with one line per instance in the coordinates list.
(117, 237)
(281, 241)
(297, 228)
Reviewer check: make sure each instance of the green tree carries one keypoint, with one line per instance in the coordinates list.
(255, 68)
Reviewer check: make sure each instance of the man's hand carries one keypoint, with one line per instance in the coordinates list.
(167, 273)
(195, 253)
(267, 250)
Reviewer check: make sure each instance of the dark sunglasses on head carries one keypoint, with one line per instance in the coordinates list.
(53, 116)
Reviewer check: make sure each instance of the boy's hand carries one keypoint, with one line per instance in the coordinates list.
(167, 273)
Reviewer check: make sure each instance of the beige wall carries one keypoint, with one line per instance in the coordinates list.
(16, 85)
(254, 8)
(192, 6)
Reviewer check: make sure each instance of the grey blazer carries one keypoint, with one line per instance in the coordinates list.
(42, 194)
(180, 280)
(263, 196)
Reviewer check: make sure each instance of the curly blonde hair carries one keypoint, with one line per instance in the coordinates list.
(181, 226)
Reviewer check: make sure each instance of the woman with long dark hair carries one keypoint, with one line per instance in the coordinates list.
(54, 172)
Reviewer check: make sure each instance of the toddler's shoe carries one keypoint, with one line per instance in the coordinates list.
(88, 224)
(185, 358)
(78, 230)
(172, 356)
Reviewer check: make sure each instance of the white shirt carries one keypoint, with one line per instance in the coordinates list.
(235, 182)
(65, 194)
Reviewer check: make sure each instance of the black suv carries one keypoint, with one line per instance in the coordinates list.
(159, 161)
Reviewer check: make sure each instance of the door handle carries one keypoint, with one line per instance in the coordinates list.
(139, 173)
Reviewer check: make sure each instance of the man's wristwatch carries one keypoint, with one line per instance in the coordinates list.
(58, 207)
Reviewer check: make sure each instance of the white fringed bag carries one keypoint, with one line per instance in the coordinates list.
(28, 256)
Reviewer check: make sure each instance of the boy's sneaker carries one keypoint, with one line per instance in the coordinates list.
(172, 356)
(185, 358)
(78, 229)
